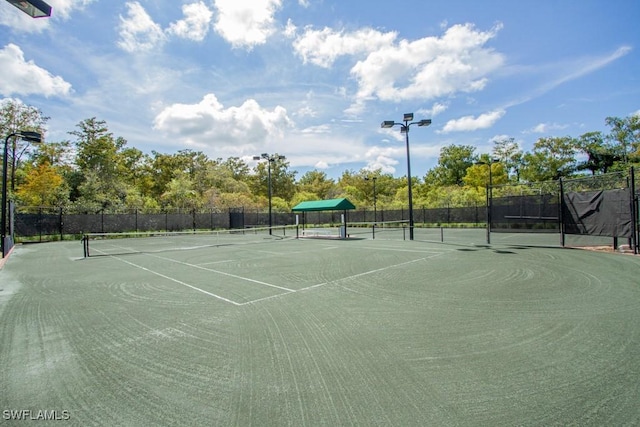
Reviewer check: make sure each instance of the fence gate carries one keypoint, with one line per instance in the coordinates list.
(236, 218)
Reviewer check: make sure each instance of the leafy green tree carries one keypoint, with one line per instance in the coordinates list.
(98, 156)
(318, 183)
(477, 175)
(625, 134)
(551, 159)
(239, 169)
(304, 196)
(452, 165)
(282, 180)
(508, 152)
(180, 193)
(601, 156)
(43, 187)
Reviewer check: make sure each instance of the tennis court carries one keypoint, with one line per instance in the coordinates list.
(276, 330)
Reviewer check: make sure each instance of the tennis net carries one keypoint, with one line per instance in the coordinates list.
(106, 244)
(395, 230)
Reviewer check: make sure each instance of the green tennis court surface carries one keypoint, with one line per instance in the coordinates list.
(284, 331)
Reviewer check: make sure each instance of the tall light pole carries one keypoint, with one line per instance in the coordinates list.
(270, 159)
(489, 195)
(404, 128)
(33, 8)
(34, 137)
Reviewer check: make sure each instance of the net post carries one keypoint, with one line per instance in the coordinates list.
(85, 245)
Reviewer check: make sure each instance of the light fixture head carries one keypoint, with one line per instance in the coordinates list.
(424, 122)
(33, 137)
(33, 8)
(408, 117)
(256, 157)
(387, 124)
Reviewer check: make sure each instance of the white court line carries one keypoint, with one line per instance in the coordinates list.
(288, 291)
(176, 281)
(377, 270)
(223, 273)
(218, 262)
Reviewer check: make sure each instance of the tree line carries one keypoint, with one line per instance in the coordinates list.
(96, 171)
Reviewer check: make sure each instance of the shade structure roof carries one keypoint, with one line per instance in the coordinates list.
(324, 205)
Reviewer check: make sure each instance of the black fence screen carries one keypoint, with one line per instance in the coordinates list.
(599, 213)
(527, 213)
(603, 205)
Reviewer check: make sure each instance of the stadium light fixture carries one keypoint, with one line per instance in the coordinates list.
(270, 159)
(34, 138)
(33, 8)
(404, 128)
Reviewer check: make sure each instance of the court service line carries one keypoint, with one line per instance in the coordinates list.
(225, 273)
(176, 281)
(366, 273)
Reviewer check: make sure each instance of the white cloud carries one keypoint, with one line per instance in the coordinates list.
(304, 3)
(196, 22)
(246, 23)
(437, 108)
(546, 128)
(430, 67)
(290, 29)
(21, 77)
(383, 158)
(138, 32)
(470, 123)
(209, 124)
(64, 8)
(323, 47)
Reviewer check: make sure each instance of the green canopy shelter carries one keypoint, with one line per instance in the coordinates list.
(342, 204)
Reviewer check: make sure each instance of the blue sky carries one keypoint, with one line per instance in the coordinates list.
(313, 79)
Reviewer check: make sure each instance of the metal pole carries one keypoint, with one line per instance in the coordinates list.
(4, 197)
(375, 214)
(488, 216)
(489, 205)
(406, 128)
(269, 179)
(561, 212)
(634, 212)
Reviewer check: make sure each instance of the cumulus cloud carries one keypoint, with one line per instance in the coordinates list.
(546, 128)
(398, 71)
(437, 108)
(246, 24)
(64, 8)
(430, 67)
(138, 32)
(383, 158)
(21, 77)
(470, 123)
(323, 47)
(209, 123)
(290, 29)
(196, 22)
